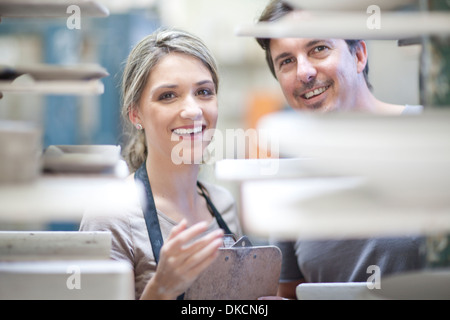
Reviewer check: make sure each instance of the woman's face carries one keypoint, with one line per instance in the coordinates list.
(178, 109)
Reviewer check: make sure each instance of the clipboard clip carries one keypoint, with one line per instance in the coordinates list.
(230, 242)
(242, 242)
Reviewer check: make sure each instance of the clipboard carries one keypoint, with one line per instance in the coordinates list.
(241, 272)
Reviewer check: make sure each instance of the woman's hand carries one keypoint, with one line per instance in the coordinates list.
(182, 259)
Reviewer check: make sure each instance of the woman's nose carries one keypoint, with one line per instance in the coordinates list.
(191, 110)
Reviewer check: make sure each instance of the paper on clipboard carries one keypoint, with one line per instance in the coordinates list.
(239, 273)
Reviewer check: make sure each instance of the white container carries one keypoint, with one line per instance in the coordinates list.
(20, 151)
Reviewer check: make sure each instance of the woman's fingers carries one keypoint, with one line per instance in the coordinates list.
(199, 243)
(178, 228)
(202, 258)
(184, 255)
(185, 248)
(184, 242)
(181, 235)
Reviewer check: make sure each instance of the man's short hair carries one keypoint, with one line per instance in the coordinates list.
(277, 9)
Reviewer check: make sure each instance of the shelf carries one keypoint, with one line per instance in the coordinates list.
(64, 198)
(49, 8)
(335, 208)
(54, 245)
(53, 79)
(46, 72)
(349, 175)
(54, 280)
(92, 87)
(406, 154)
(351, 25)
(347, 5)
(76, 178)
(361, 143)
(241, 170)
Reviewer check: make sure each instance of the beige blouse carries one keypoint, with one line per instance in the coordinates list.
(130, 240)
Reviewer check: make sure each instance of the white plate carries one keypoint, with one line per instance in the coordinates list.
(81, 158)
(44, 72)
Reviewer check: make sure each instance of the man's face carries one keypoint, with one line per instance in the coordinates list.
(318, 74)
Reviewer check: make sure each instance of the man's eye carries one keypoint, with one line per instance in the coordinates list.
(320, 48)
(286, 61)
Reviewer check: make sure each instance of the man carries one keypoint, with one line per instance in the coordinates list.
(324, 75)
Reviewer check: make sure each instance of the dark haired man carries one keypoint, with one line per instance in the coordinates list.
(324, 75)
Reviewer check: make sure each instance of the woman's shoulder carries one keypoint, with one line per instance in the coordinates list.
(114, 217)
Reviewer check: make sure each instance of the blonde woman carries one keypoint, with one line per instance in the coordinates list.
(169, 89)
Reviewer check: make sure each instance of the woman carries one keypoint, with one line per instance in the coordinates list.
(169, 89)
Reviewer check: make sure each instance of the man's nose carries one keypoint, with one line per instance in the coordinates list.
(306, 71)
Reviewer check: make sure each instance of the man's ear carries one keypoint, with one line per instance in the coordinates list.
(361, 56)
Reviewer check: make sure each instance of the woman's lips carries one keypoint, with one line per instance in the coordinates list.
(189, 132)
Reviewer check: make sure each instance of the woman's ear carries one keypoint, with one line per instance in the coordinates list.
(134, 115)
(361, 56)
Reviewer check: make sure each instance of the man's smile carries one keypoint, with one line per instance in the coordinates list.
(315, 92)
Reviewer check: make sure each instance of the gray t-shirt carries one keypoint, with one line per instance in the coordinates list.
(348, 260)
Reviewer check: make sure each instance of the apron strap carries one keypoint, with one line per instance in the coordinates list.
(213, 209)
(151, 215)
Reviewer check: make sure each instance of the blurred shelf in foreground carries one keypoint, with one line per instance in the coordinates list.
(351, 25)
(50, 8)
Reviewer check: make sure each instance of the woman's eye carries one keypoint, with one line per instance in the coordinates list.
(204, 92)
(167, 96)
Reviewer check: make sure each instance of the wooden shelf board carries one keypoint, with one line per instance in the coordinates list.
(362, 5)
(351, 25)
(64, 198)
(91, 87)
(50, 8)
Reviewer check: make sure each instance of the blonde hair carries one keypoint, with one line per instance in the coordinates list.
(140, 63)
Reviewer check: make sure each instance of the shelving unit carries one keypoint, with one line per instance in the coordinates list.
(61, 195)
(76, 179)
